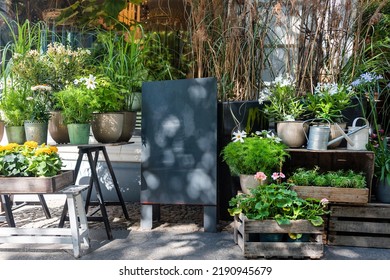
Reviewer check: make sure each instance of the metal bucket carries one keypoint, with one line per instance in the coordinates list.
(360, 135)
(318, 137)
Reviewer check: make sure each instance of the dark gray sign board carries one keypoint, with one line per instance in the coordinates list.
(179, 144)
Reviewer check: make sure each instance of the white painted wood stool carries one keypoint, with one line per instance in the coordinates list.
(78, 226)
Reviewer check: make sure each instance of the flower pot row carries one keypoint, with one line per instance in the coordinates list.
(106, 128)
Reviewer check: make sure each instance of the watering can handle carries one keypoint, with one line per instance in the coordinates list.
(359, 118)
(310, 121)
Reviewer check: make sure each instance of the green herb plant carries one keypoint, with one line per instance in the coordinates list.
(256, 152)
(283, 104)
(328, 101)
(338, 179)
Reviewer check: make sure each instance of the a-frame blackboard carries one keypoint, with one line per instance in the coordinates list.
(179, 146)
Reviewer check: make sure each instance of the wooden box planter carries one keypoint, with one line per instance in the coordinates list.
(361, 226)
(35, 185)
(333, 194)
(245, 228)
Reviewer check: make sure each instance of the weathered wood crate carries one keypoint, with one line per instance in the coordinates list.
(361, 226)
(35, 185)
(245, 229)
(334, 195)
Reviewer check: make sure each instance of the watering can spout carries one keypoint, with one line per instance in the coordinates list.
(346, 135)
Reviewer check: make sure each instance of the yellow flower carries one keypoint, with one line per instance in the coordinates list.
(54, 149)
(10, 146)
(44, 150)
(31, 144)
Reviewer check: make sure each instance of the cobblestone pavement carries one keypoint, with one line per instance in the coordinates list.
(178, 235)
(173, 217)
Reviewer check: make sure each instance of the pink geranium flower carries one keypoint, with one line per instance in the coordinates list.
(260, 176)
(275, 175)
(324, 201)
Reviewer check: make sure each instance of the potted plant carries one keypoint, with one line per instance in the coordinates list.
(38, 113)
(55, 68)
(76, 102)
(108, 118)
(285, 107)
(13, 107)
(342, 186)
(245, 156)
(372, 90)
(327, 103)
(118, 56)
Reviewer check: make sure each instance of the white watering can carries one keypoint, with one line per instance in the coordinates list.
(360, 136)
(319, 135)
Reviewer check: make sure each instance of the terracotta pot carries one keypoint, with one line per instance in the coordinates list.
(57, 128)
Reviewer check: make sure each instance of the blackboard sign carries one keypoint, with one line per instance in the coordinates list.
(179, 142)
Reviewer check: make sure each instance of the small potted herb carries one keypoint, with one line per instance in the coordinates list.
(246, 155)
(337, 186)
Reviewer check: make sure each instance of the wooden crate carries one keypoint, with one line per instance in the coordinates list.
(361, 226)
(244, 228)
(335, 195)
(333, 160)
(35, 185)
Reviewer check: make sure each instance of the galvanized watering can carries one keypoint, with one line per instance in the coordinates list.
(319, 135)
(360, 136)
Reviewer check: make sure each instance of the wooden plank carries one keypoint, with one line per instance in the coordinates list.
(283, 249)
(359, 241)
(4, 231)
(34, 239)
(359, 227)
(375, 211)
(299, 226)
(252, 249)
(348, 195)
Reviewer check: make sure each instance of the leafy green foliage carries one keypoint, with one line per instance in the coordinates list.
(339, 179)
(283, 104)
(328, 101)
(90, 12)
(13, 102)
(253, 155)
(279, 203)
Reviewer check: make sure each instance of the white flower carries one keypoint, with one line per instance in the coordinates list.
(239, 136)
(289, 118)
(41, 87)
(90, 82)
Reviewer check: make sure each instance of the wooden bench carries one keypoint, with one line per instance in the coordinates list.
(78, 226)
